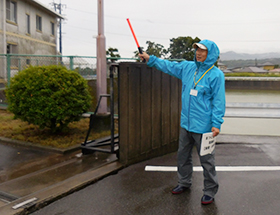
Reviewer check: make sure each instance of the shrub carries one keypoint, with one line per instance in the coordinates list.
(48, 96)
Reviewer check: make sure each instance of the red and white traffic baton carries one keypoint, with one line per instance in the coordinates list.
(139, 48)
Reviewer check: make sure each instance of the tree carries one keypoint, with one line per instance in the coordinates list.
(113, 53)
(156, 49)
(181, 48)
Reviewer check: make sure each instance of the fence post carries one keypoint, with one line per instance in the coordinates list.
(71, 63)
(8, 68)
(19, 64)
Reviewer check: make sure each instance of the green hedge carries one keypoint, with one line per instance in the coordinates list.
(48, 96)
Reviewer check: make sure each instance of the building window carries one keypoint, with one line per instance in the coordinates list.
(38, 23)
(11, 11)
(11, 48)
(27, 23)
(52, 28)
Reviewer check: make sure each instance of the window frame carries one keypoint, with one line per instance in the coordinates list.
(27, 19)
(11, 13)
(52, 28)
(13, 48)
(39, 26)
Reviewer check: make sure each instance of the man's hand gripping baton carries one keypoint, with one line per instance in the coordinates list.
(139, 48)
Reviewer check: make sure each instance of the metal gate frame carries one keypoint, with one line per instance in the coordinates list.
(90, 146)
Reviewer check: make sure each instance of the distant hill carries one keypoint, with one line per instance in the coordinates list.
(232, 59)
(243, 56)
(242, 63)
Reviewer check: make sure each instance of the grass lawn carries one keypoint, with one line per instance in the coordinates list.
(19, 130)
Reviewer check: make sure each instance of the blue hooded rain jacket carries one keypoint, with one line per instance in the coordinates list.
(205, 110)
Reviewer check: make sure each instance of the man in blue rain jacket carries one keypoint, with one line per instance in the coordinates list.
(203, 108)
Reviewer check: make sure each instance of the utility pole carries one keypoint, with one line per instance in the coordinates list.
(101, 67)
(59, 7)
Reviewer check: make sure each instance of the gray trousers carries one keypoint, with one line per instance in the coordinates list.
(187, 141)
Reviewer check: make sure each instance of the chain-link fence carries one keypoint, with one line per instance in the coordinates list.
(10, 64)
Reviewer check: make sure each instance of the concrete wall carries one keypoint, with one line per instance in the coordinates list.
(37, 42)
(260, 84)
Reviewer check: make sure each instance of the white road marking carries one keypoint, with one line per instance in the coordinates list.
(218, 168)
(24, 203)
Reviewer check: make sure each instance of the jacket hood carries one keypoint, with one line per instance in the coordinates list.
(212, 56)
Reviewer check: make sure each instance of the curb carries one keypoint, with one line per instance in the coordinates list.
(46, 196)
(34, 146)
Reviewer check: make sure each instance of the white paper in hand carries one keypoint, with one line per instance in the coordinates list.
(207, 144)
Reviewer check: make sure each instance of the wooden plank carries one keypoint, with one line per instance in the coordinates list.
(174, 120)
(156, 108)
(134, 110)
(123, 111)
(149, 110)
(146, 112)
(165, 108)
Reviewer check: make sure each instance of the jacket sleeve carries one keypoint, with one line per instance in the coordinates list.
(219, 101)
(170, 67)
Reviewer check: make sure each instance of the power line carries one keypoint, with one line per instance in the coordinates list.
(78, 39)
(223, 22)
(229, 22)
(86, 29)
(82, 11)
(165, 38)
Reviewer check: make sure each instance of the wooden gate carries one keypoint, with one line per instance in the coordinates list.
(149, 112)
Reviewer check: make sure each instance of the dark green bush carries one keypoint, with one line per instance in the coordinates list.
(48, 96)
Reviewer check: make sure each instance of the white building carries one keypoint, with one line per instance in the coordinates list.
(27, 27)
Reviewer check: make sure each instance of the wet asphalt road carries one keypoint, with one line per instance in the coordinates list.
(135, 191)
(17, 161)
(13, 159)
(12, 156)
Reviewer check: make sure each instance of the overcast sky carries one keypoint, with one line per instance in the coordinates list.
(251, 26)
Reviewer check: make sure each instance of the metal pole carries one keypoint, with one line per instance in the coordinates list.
(101, 67)
(59, 6)
(60, 29)
(112, 67)
(8, 68)
(71, 62)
